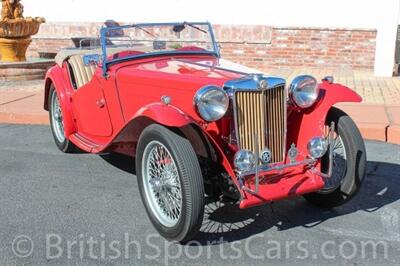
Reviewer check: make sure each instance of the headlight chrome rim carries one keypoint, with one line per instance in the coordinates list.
(211, 109)
(304, 91)
(317, 147)
(244, 160)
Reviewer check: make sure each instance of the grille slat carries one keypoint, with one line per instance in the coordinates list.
(262, 113)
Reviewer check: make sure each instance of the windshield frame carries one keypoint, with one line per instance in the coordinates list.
(103, 41)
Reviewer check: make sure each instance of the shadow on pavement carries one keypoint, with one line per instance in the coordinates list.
(226, 221)
(379, 189)
(120, 161)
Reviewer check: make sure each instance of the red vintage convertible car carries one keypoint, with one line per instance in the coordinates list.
(200, 126)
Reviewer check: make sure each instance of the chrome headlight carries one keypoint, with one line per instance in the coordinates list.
(317, 147)
(244, 160)
(211, 102)
(304, 91)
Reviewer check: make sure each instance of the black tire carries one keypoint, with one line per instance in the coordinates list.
(191, 182)
(64, 145)
(356, 159)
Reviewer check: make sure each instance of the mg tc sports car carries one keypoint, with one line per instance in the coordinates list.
(199, 126)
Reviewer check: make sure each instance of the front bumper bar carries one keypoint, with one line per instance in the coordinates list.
(265, 170)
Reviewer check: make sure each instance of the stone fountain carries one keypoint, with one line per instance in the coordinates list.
(16, 31)
(15, 37)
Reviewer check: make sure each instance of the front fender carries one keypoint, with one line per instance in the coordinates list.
(56, 77)
(167, 115)
(335, 93)
(305, 124)
(172, 117)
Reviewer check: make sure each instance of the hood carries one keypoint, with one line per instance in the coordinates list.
(191, 73)
(144, 81)
(209, 70)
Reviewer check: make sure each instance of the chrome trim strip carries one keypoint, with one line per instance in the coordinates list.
(285, 111)
(251, 82)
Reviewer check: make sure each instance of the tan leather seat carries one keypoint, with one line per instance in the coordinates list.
(82, 74)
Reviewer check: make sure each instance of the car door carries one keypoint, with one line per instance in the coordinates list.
(90, 110)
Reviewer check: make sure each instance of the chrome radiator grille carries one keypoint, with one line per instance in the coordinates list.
(262, 114)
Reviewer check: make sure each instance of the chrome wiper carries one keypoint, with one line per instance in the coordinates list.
(194, 27)
(146, 31)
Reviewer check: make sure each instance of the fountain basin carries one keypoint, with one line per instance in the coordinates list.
(15, 38)
(32, 69)
(20, 28)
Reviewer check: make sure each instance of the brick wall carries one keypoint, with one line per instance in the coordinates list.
(308, 47)
(254, 46)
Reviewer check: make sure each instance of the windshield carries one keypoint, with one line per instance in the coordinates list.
(137, 40)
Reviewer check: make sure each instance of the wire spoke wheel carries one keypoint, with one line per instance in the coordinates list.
(170, 183)
(348, 163)
(162, 184)
(56, 118)
(58, 122)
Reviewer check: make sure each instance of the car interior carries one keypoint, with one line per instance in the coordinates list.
(82, 63)
(80, 73)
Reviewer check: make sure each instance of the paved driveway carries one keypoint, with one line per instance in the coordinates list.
(85, 209)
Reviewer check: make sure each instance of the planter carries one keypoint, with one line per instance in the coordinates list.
(13, 50)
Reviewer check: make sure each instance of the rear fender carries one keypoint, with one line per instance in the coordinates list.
(305, 124)
(56, 77)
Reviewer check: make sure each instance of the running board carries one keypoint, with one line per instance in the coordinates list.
(85, 144)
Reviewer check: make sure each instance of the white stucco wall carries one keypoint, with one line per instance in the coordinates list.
(386, 37)
(382, 15)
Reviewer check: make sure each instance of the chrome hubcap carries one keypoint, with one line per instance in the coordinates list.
(339, 166)
(56, 117)
(162, 185)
